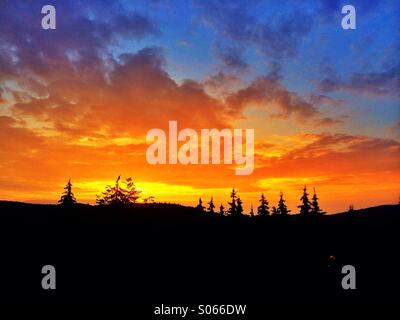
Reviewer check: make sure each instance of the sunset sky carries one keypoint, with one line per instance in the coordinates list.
(77, 102)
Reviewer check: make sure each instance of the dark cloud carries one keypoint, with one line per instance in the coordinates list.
(277, 36)
(221, 84)
(321, 100)
(232, 57)
(134, 24)
(386, 82)
(81, 39)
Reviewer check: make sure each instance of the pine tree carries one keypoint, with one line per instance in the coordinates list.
(315, 209)
(119, 195)
(239, 207)
(263, 208)
(221, 210)
(251, 211)
(282, 208)
(232, 205)
(211, 206)
(149, 199)
(131, 193)
(200, 206)
(67, 198)
(305, 207)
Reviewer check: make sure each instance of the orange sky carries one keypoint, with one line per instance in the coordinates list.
(92, 132)
(77, 103)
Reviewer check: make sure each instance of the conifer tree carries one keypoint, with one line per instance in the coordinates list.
(239, 207)
(149, 199)
(67, 198)
(232, 205)
(251, 211)
(211, 206)
(119, 195)
(263, 208)
(315, 209)
(282, 208)
(221, 210)
(200, 206)
(305, 207)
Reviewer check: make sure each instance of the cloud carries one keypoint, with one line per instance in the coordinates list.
(372, 84)
(232, 57)
(335, 155)
(81, 39)
(268, 91)
(276, 36)
(221, 84)
(132, 96)
(324, 100)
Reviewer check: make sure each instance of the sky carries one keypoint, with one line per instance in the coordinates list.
(76, 102)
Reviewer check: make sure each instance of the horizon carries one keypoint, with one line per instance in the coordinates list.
(293, 210)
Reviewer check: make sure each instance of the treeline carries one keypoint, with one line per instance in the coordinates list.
(235, 206)
(124, 193)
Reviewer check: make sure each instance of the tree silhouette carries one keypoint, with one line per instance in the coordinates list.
(149, 199)
(221, 210)
(251, 211)
(232, 205)
(239, 207)
(282, 208)
(305, 207)
(211, 206)
(274, 210)
(200, 206)
(67, 198)
(315, 209)
(263, 208)
(119, 195)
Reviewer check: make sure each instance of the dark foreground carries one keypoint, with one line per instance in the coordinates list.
(166, 254)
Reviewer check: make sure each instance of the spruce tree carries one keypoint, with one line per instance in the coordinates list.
(67, 198)
(200, 207)
(315, 209)
(251, 211)
(232, 205)
(211, 206)
(263, 208)
(305, 207)
(239, 207)
(282, 208)
(221, 210)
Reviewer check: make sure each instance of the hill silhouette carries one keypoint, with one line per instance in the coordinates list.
(166, 253)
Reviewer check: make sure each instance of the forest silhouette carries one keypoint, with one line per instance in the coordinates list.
(125, 193)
